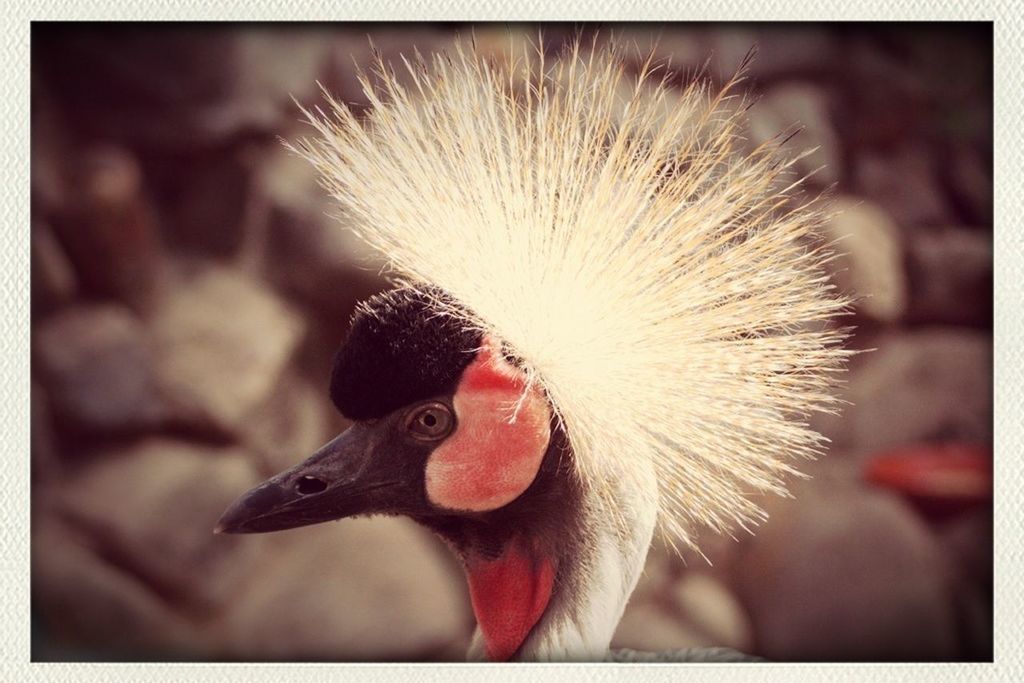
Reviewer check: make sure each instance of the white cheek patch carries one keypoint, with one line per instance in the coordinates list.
(489, 461)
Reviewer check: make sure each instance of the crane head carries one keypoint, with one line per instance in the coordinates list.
(443, 425)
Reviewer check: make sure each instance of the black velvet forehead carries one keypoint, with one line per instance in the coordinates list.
(398, 351)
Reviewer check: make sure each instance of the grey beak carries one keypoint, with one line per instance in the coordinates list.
(335, 482)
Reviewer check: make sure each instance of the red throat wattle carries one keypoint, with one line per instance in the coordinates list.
(509, 596)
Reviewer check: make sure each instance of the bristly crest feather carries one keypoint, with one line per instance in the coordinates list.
(610, 231)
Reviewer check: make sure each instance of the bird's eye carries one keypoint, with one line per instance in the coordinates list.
(430, 422)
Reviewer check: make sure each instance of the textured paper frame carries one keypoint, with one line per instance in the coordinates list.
(15, 643)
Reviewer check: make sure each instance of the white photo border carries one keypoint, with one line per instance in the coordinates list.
(15, 643)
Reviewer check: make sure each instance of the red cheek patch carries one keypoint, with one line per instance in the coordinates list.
(489, 461)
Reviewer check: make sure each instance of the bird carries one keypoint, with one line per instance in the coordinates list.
(609, 319)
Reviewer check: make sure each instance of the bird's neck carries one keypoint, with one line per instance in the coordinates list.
(550, 576)
(594, 577)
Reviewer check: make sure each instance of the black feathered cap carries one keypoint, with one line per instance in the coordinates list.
(399, 349)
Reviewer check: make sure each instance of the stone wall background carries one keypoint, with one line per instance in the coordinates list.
(188, 292)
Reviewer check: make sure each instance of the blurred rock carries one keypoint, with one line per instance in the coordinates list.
(870, 265)
(45, 457)
(903, 181)
(105, 74)
(950, 272)
(87, 601)
(358, 590)
(210, 195)
(974, 612)
(968, 540)
(98, 366)
(149, 510)
(883, 101)
(275, 65)
(108, 228)
(290, 182)
(223, 340)
(309, 217)
(658, 574)
(805, 107)
(646, 627)
(783, 51)
(50, 151)
(54, 283)
(206, 183)
(289, 426)
(919, 386)
(968, 180)
(713, 610)
(311, 254)
(846, 574)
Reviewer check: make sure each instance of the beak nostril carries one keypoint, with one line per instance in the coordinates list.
(307, 485)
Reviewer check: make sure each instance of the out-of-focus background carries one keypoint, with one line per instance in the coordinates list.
(189, 288)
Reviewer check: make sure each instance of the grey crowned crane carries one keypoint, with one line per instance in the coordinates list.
(607, 320)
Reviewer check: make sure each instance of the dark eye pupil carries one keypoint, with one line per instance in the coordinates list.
(430, 422)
